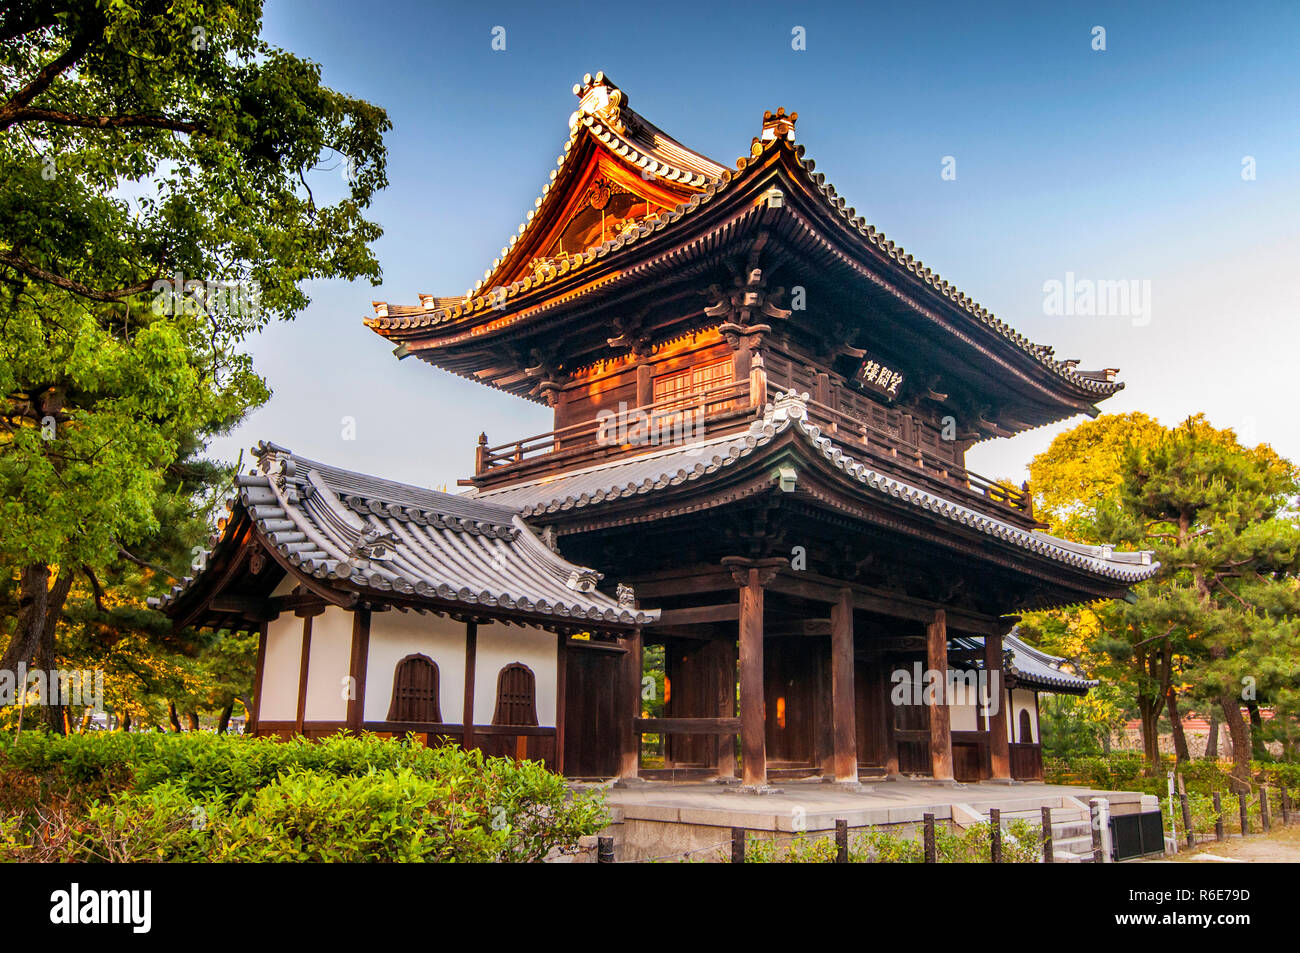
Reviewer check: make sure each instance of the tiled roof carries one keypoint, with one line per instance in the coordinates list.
(653, 472)
(653, 151)
(385, 537)
(1031, 667)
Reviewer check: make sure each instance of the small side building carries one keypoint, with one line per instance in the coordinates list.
(391, 608)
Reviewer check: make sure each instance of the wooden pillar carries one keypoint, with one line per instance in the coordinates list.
(753, 714)
(842, 697)
(357, 669)
(561, 688)
(940, 714)
(250, 726)
(999, 750)
(630, 689)
(751, 575)
(467, 710)
(645, 393)
(726, 684)
(304, 664)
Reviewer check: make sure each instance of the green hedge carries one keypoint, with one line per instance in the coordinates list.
(191, 797)
(1127, 771)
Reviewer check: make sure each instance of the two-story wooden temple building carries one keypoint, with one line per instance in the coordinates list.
(762, 409)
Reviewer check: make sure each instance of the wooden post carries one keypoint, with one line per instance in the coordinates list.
(1048, 856)
(1244, 810)
(480, 454)
(995, 835)
(1264, 815)
(1187, 819)
(757, 382)
(725, 657)
(467, 710)
(931, 853)
(604, 849)
(1094, 822)
(842, 696)
(250, 726)
(630, 762)
(841, 842)
(1286, 806)
(357, 669)
(753, 715)
(1218, 817)
(561, 688)
(999, 748)
(645, 393)
(304, 664)
(737, 845)
(940, 714)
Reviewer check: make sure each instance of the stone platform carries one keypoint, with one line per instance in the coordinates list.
(693, 820)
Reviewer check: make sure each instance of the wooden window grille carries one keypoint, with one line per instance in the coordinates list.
(516, 696)
(693, 380)
(415, 691)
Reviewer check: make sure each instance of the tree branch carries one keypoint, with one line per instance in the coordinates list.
(145, 564)
(20, 264)
(10, 116)
(47, 75)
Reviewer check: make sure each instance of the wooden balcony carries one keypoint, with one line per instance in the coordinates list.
(890, 454)
(727, 408)
(699, 415)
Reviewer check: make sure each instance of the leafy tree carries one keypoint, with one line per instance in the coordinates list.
(1217, 515)
(1223, 607)
(157, 160)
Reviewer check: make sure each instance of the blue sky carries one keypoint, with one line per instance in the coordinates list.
(1122, 164)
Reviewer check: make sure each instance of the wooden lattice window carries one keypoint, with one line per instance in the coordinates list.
(1026, 727)
(516, 696)
(415, 691)
(693, 380)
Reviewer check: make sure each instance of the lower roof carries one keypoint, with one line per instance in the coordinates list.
(364, 534)
(1032, 668)
(663, 470)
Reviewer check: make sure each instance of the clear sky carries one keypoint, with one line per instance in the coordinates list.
(1122, 164)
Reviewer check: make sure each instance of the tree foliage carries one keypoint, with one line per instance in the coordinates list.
(166, 192)
(1218, 624)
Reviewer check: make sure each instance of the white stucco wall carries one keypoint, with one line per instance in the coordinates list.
(279, 701)
(963, 692)
(498, 646)
(395, 635)
(327, 665)
(1021, 700)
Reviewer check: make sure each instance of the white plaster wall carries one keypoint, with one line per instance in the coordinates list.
(1022, 699)
(279, 701)
(327, 665)
(964, 697)
(498, 646)
(395, 635)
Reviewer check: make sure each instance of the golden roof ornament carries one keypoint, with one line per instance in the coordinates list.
(599, 98)
(779, 124)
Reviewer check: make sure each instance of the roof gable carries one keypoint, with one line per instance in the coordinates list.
(611, 152)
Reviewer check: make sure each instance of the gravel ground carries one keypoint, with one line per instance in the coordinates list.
(1278, 847)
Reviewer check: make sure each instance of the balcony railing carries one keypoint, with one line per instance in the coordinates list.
(692, 416)
(676, 420)
(915, 463)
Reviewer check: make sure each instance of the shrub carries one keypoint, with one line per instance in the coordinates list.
(208, 797)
